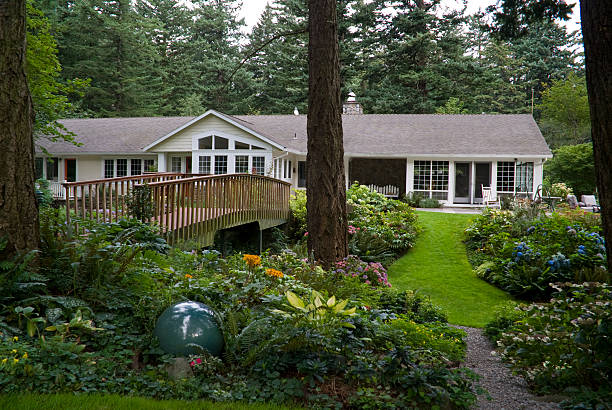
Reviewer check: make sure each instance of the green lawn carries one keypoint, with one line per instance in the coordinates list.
(437, 266)
(115, 402)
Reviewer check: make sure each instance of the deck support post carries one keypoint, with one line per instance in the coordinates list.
(260, 240)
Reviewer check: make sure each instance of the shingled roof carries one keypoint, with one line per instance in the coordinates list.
(372, 135)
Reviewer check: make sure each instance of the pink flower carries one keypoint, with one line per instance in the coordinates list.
(198, 360)
(306, 234)
(367, 282)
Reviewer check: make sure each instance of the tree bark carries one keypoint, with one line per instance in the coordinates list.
(596, 16)
(18, 208)
(325, 181)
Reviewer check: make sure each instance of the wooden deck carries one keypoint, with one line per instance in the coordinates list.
(186, 206)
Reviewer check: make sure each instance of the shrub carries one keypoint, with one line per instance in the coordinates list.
(373, 273)
(297, 218)
(429, 203)
(565, 344)
(573, 165)
(523, 255)
(505, 316)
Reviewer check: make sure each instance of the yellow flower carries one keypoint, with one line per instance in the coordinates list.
(15, 361)
(4, 360)
(14, 351)
(25, 355)
(188, 276)
(15, 339)
(274, 272)
(252, 260)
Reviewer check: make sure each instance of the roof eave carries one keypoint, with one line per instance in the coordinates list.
(221, 116)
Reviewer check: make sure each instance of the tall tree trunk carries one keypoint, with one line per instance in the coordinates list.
(326, 202)
(596, 16)
(18, 209)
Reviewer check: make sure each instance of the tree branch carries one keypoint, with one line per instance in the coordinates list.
(301, 30)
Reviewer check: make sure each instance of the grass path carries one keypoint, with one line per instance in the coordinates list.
(437, 266)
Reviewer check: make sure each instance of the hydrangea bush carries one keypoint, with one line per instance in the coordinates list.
(523, 256)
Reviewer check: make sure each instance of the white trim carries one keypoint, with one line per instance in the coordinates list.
(461, 157)
(218, 115)
(136, 154)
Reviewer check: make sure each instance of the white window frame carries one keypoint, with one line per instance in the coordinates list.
(430, 192)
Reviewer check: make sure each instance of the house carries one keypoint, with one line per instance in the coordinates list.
(447, 157)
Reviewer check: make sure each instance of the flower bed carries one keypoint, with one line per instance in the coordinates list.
(293, 332)
(563, 346)
(523, 255)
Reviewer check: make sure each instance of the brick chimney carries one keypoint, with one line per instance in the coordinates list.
(351, 106)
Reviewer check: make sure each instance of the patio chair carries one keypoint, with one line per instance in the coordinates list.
(573, 202)
(487, 197)
(590, 203)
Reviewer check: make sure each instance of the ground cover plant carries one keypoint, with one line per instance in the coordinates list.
(437, 267)
(562, 346)
(523, 250)
(294, 333)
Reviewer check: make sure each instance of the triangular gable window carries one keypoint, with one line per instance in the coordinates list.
(205, 143)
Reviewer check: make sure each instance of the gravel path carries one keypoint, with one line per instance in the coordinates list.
(506, 390)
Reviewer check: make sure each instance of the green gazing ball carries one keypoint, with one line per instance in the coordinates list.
(188, 323)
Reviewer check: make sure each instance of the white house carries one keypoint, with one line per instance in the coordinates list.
(447, 157)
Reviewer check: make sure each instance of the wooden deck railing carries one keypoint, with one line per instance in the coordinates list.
(185, 206)
(105, 199)
(197, 207)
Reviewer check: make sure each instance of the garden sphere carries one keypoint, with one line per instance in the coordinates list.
(186, 324)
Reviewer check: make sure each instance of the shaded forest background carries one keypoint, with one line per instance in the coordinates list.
(99, 58)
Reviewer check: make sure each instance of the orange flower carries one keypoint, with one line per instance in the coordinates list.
(274, 272)
(252, 260)
(188, 276)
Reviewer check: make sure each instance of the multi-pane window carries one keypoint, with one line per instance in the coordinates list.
(524, 177)
(422, 175)
(301, 174)
(221, 143)
(242, 164)
(259, 165)
(204, 164)
(205, 143)
(136, 166)
(220, 164)
(505, 177)
(431, 179)
(149, 165)
(240, 145)
(38, 164)
(176, 164)
(109, 168)
(53, 169)
(122, 167)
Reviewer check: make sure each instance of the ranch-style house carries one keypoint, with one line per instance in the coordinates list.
(447, 157)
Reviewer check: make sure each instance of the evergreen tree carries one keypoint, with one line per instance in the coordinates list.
(280, 68)
(49, 93)
(209, 57)
(109, 43)
(413, 60)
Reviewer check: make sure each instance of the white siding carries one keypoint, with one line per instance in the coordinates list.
(182, 141)
(88, 168)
